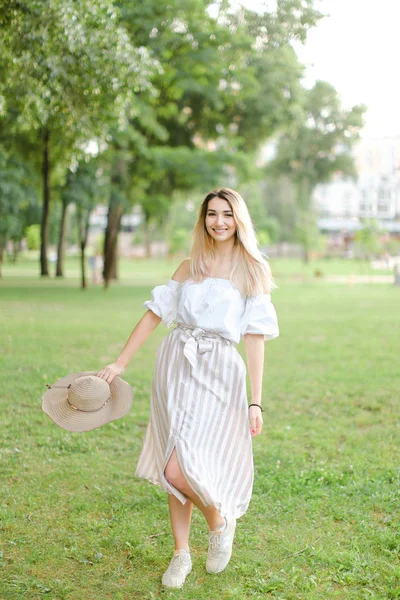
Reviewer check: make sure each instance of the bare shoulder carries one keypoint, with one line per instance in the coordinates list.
(183, 271)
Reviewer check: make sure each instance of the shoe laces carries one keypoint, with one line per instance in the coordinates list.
(177, 563)
(215, 541)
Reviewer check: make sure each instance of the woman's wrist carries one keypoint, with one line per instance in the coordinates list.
(256, 404)
(121, 363)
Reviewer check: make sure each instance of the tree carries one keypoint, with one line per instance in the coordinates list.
(152, 158)
(84, 189)
(306, 233)
(180, 168)
(319, 146)
(265, 73)
(368, 238)
(279, 198)
(61, 236)
(224, 85)
(267, 225)
(18, 198)
(68, 71)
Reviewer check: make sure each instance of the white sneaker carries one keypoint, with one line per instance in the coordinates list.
(179, 567)
(220, 547)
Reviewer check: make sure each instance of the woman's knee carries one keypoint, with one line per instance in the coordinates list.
(173, 473)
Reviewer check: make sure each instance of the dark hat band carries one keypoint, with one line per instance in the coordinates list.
(73, 405)
(88, 411)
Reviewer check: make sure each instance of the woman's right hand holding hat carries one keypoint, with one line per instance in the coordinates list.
(111, 371)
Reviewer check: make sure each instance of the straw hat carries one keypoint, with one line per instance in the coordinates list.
(83, 401)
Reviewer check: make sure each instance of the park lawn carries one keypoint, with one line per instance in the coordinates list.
(324, 518)
(144, 271)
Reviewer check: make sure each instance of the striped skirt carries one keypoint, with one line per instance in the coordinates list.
(199, 408)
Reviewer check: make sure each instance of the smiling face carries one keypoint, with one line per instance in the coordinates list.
(220, 223)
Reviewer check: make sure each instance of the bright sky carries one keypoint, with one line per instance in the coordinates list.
(357, 49)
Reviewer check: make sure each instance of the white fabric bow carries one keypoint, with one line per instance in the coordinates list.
(195, 343)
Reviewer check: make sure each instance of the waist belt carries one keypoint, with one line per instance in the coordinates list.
(198, 341)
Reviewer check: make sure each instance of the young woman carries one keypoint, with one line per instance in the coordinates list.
(198, 443)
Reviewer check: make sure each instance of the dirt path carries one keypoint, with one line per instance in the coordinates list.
(351, 279)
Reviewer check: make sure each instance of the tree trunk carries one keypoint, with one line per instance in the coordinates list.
(115, 212)
(44, 229)
(147, 236)
(61, 238)
(2, 246)
(83, 266)
(83, 217)
(304, 192)
(114, 263)
(16, 247)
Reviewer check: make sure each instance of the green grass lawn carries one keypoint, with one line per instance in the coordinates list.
(145, 271)
(324, 518)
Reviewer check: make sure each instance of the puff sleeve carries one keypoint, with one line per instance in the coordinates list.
(259, 317)
(163, 302)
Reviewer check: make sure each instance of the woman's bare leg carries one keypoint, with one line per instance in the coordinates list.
(180, 515)
(175, 476)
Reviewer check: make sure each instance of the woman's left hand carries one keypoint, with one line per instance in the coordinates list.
(256, 420)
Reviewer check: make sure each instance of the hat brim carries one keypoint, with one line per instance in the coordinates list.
(56, 406)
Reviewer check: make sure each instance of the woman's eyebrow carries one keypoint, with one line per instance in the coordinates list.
(224, 211)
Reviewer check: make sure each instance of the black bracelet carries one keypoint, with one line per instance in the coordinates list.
(262, 410)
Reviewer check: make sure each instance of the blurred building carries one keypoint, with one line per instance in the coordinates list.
(342, 204)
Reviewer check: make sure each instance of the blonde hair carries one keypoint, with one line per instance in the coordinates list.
(250, 271)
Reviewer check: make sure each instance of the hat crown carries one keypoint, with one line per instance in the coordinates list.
(89, 393)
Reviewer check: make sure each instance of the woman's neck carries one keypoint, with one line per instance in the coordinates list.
(220, 265)
(223, 250)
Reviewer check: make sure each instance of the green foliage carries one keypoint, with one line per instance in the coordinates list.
(263, 237)
(69, 72)
(274, 229)
(18, 199)
(306, 231)
(311, 152)
(278, 197)
(179, 242)
(33, 237)
(391, 246)
(219, 94)
(321, 143)
(367, 239)
(273, 100)
(267, 226)
(264, 71)
(179, 96)
(68, 68)
(98, 245)
(83, 188)
(307, 234)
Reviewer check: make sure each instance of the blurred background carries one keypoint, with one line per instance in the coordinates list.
(117, 117)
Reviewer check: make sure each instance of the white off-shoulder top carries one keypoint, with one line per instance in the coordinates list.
(215, 305)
